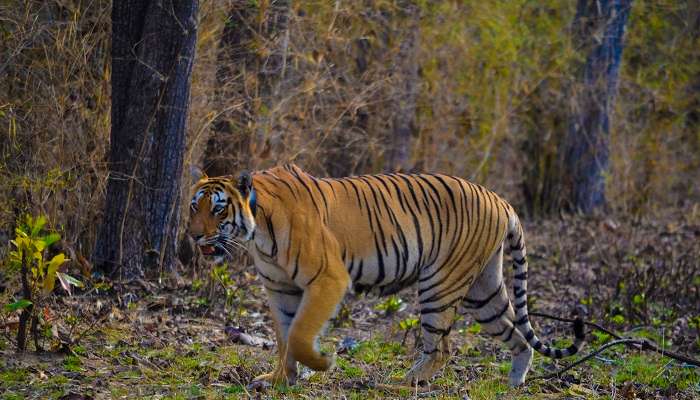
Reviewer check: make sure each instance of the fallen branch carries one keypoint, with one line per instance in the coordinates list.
(645, 344)
(584, 359)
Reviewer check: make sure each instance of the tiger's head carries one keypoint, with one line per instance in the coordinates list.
(222, 213)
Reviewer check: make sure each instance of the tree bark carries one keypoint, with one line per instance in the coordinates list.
(153, 46)
(601, 25)
(404, 127)
(251, 61)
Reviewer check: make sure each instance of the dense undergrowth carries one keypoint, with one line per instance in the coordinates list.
(201, 336)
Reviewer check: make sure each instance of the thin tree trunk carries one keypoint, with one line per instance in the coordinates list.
(26, 312)
(404, 127)
(250, 26)
(602, 24)
(153, 45)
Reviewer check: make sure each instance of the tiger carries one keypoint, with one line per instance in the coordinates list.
(313, 239)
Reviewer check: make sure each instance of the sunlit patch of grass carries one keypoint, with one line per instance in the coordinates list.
(375, 351)
(13, 375)
(655, 372)
(487, 388)
(72, 363)
(234, 389)
(349, 370)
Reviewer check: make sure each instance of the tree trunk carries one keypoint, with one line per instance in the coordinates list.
(153, 45)
(252, 29)
(404, 127)
(601, 25)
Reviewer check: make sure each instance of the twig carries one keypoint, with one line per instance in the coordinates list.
(586, 358)
(640, 344)
(571, 321)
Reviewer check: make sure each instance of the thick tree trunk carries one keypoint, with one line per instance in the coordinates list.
(601, 25)
(253, 29)
(398, 157)
(153, 45)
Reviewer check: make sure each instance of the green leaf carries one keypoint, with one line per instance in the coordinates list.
(50, 239)
(18, 305)
(67, 280)
(51, 272)
(37, 224)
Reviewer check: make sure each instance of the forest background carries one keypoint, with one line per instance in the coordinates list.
(490, 91)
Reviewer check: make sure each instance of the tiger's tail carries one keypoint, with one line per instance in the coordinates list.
(517, 246)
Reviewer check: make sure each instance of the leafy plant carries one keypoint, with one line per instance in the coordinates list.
(407, 325)
(38, 275)
(391, 305)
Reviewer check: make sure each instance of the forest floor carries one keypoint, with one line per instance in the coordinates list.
(208, 337)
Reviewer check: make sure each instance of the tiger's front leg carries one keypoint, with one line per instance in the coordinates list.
(320, 302)
(284, 304)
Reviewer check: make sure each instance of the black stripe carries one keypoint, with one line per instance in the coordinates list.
(498, 334)
(537, 346)
(521, 276)
(510, 334)
(529, 335)
(318, 272)
(438, 309)
(323, 196)
(521, 304)
(296, 266)
(518, 291)
(380, 262)
(481, 303)
(519, 261)
(290, 292)
(558, 353)
(517, 247)
(432, 329)
(288, 314)
(265, 276)
(287, 185)
(357, 193)
(308, 189)
(493, 317)
(271, 231)
(522, 321)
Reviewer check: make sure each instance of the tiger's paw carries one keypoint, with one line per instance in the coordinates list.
(277, 378)
(330, 361)
(424, 368)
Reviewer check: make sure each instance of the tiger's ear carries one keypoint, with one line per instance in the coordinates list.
(196, 174)
(245, 183)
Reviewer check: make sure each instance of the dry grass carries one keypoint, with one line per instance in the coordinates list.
(491, 103)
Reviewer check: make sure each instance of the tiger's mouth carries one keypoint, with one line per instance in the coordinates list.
(212, 250)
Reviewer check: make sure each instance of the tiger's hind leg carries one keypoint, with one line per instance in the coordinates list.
(490, 305)
(438, 298)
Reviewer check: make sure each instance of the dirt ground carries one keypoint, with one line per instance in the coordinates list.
(208, 336)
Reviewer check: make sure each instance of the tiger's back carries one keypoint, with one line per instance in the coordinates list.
(392, 228)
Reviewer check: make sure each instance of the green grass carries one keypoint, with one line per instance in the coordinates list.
(14, 375)
(657, 372)
(196, 371)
